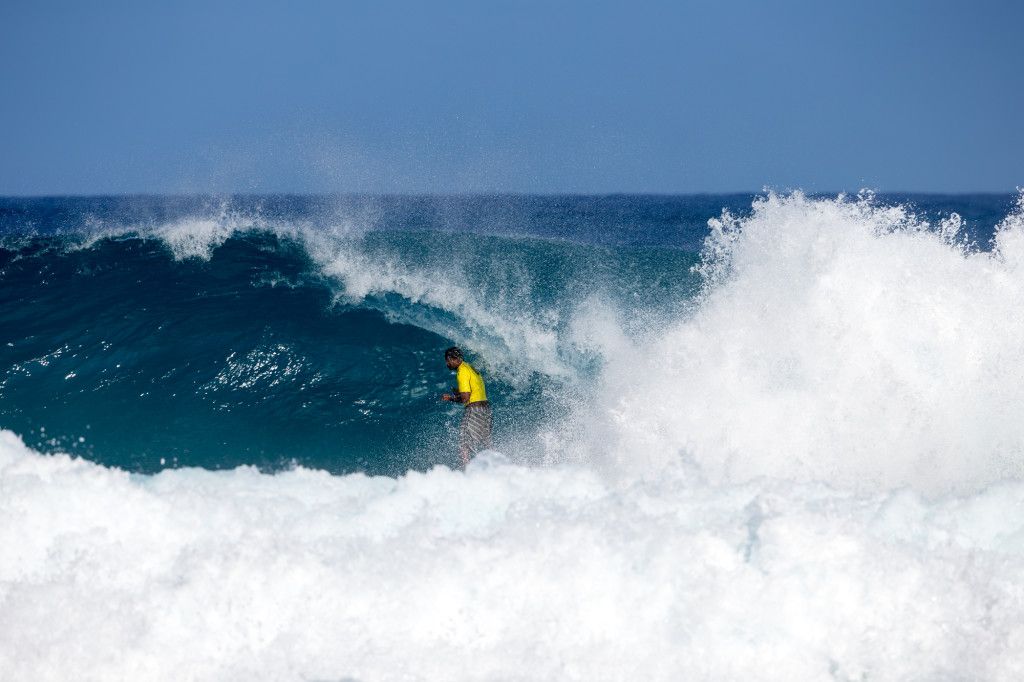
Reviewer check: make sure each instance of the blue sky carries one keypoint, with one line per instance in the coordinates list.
(667, 97)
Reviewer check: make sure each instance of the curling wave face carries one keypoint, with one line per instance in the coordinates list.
(214, 336)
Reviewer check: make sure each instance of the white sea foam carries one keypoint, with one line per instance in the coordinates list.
(837, 341)
(500, 573)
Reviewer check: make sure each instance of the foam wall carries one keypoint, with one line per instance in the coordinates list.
(500, 573)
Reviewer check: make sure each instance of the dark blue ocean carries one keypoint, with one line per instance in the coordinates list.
(155, 332)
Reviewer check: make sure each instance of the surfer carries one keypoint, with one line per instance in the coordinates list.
(475, 430)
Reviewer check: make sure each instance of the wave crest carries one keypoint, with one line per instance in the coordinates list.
(838, 341)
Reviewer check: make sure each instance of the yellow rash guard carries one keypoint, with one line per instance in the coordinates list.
(471, 383)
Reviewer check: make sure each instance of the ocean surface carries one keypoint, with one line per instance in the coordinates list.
(770, 436)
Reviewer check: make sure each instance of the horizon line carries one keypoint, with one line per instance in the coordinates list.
(490, 193)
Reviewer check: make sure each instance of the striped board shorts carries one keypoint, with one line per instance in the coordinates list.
(475, 430)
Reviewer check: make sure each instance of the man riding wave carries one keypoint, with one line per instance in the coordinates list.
(475, 429)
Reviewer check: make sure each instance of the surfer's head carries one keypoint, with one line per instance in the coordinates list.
(453, 357)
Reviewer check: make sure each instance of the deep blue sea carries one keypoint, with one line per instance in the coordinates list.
(751, 437)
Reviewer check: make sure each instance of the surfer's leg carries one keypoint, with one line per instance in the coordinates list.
(474, 432)
(464, 440)
(486, 424)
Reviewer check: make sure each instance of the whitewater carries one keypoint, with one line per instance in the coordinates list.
(802, 461)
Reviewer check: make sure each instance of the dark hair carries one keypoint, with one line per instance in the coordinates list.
(453, 353)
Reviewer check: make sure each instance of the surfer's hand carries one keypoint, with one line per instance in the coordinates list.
(446, 397)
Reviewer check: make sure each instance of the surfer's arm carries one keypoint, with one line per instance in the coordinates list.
(456, 397)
